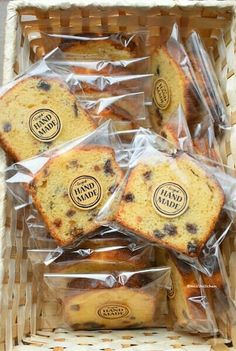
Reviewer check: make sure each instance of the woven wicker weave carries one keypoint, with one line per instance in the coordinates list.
(23, 312)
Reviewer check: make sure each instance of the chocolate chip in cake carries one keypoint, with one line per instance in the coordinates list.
(108, 168)
(192, 247)
(96, 168)
(43, 85)
(65, 194)
(7, 127)
(75, 308)
(74, 231)
(75, 107)
(51, 205)
(191, 228)
(112, 189)
(147, 175)
(129, 197)
(170, 229)
(70, 213)
(163, 134)
(158, 234)
(158, 70)
(57, 222)
(73, 164)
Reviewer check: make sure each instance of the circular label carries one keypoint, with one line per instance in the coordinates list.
(161, 94)
(113, 311)
(45, 125)
(85, 192)
(170, 200)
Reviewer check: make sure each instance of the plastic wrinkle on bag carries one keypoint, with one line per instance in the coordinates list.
(160, 200)
(83, 175)
(111, 46)
(207, 79)
(115, 300)
(139, 65)
(175, 83)
(177, 132)
(108, 251)
(203, 142)
(213, 284)
(126, 111)
(96, 86)
(189, 307)
(47, 117)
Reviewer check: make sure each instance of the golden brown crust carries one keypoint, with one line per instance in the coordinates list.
(187, 96)
(170, 237)
(77, 222)
(18, 141)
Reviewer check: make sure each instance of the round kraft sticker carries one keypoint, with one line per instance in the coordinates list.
(161, 94)
(113, 311)
(170, 199)
(45, 125)
(85, 192)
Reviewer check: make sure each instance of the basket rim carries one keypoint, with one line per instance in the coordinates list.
(17, 4)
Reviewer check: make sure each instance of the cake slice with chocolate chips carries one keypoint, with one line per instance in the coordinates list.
(38, 113)
(171, 88)
(72, 187)
(175, 203)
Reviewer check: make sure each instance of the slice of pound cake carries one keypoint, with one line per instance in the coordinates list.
(39, 113)
(109, 304)
(98, 49)
(189, 305)
(171, 88)
(72, 187)
(175, 203)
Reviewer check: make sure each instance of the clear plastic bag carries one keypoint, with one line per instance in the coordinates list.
(139, 65)
(190, 309)
(175, 84)
(95, 86)
(108, 251)
(201, 300)
(39, 112)
(114, 46)
(126, 111)
(112, 301)
(203, 142)
(177, 132)
(207, 80)
(70, 183)
(172, 199)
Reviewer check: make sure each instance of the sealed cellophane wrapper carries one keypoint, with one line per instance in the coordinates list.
(161, 199)
(99, 66)
(174, 83)
(49, 117)
(95, 86)
(107, 251)
(114, 300)
(201, 302)
(114, 46)
(124, 267)
(70, 183)
(203, 142)
(128, 112)
(207, 79)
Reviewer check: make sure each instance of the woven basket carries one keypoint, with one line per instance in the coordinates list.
(27, 320)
